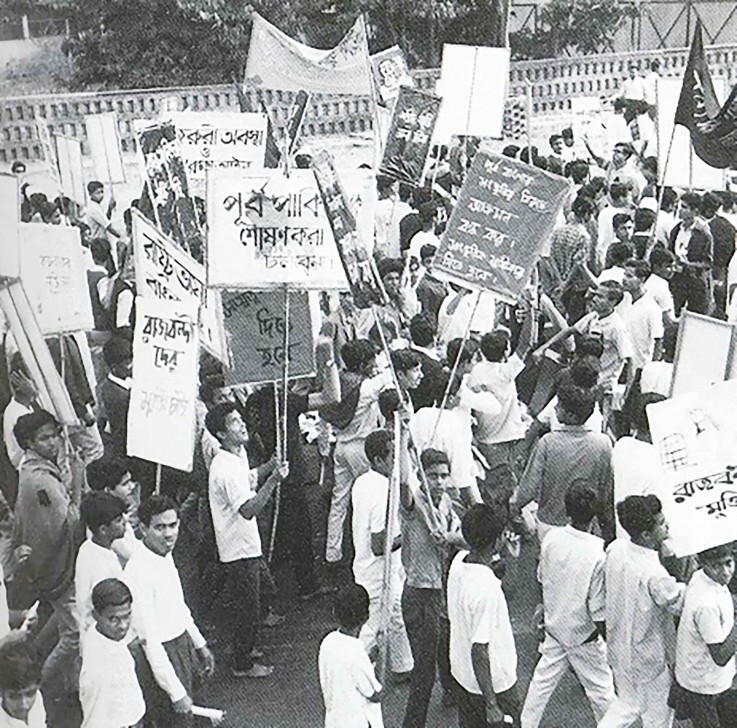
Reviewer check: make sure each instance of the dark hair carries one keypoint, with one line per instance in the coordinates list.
(494, 345)
(640, 268)
(390, 265)
(554, 138)
(567, 132)
(661, 256)
(153, 506)
(459, 350)
(482, 526)
(99, 508)
(710, 204)
(351, 606)
(384, 183)
(19, 669)
(110, 593)
(101, 253)
(209, 385)
(578, 171)
(27, 426)
(94, 185)
(431, 457)
(581, 502)
(389, 403)
(618, 191)
(106, 473)
(637, 513)
(356, 354)
(654, 64)
(511, 150)
(625, 148)
(422, 329)
(405, 192)
(613, 290)
(644, 219)
(618, 252)
(583, 373)
(15, 168)
(583, 207)
(216, 417)
(668, 199)
(378, 444)
(692, 200)
(116, 351)
(709, 556)
(621, 218)
(589, 345)
(426, 211)
(576, 401)
(428, 250)
(405, 359)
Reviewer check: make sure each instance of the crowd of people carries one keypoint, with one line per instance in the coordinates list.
(453, 430)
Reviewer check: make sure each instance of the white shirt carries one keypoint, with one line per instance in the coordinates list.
(13, 412)
(125, 547)
(644, 322)
(160, 613)
(419, 239)
(230, 487)
(707, 619)
(94, 563)
(477, 610)
(659, 289)
(616, 341)
(656, 377)
(454, 325)
(549, 416)
(4, 611)
(641, 600)
(650, 84)
(347, 680)
(605, 231)
(367, 417)
(36, 716)
(108, 686)
(573, 604)
(664, 223)
(633, 88)
(369, 498)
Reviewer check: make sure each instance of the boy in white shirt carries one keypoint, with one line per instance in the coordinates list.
(483, 656)
(21, 705)
(108, 685)
(662, 264)
(349, 686)
(707, 642)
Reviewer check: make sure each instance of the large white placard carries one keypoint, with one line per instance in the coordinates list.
(10, 210)
(54, 276)
(161, 417)
(267, 230)
(69, 154)
(104, 141)
(165, 271)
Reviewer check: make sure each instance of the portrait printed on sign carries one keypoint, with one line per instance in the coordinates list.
(390, 73)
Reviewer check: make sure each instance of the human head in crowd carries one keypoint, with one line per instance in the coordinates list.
(388, 329)
(718, 563)
(575, 405)
(405, 192)
(38, 202)
(359, 357)
(20, 679)
(494, 345)
(18, 168)
(389, 403)
(668, 200)
(379, 451)
(638, 417)
(581, 504)
(408, 366)
(427, 211)
(649, 169)
(102, 254)
(85, 233)
(51, 214)
(606, 296)
(618, 253)
(542, 163)
(511, 151)
(213, 391)
(460, 355)
(567, 136)
(159, 522)
(118, 355)
(351, 608)
(622, 153)
(524, 154)
(623, 226)
(594, 189)
(422, 330)
(585, 372)
(112, 475)
(655, 65)
(385, 186)
(39, 432)
(632, 69)
(644, 219)
(636, 272)
(641, 516)
(589, 346)
(303, 157)
(662, 262)
(102, 513)
(436, 466)
(224, 422)
(729, 200)
(690, 206)
(556, 144)
(578, 171)
(112, 604)
(619, 194)
(482, 527)
(583, 208)
(390, 272)
(427, 254)
(710, 205)
(96, 190)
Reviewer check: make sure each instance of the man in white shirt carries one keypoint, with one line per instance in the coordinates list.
(633, 87)
(574, 609)
(619, 202)
(662, 265)
(483, 656)
(650, 86)
(98, 218)
(370, 502)
(643, 318)
(162, 619)
(641, 601)
(21, 705)
(234, 505)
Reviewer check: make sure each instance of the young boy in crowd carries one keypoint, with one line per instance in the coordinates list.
(350, 689)
(574, 609)
(21, 705)
(109, 691)
(102, 514)
(483, 656)
(706, 645)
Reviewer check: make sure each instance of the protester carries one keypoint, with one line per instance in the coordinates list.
(20, 678)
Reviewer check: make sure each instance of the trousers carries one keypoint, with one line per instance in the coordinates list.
(647, 701)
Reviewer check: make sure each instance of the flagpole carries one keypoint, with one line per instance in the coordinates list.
(372, 94)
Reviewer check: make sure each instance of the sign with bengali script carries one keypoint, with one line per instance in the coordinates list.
(505, 213)
(254, 325)
(267, 230)
(165, 271)
(696, 438)
(161, 416)
(54, 275)
(9, 243)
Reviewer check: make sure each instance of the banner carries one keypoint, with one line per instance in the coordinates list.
(161, 417)
(69, 153)
(104, 141)
(296, 118)
(166, 272)
(357, 261)
(54, 276)
(390, 73)
(10, 242)
(266, 230)
(696, 438)
(49, 152)
(210, 140)
(410, 135)
(505, 214)
(254, 325)
(168, 187)
(276, 61)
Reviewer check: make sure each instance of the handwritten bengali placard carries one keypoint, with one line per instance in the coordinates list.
(505, 213)
(161, 417)
(54, 275)
(165, 271)
(266, 230)
(696, 439)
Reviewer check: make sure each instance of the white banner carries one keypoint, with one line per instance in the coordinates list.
(104, 141)
(161, 417)
(165, 271)
(54, 275)
(267, 230)
(9, 242)
(69, 153)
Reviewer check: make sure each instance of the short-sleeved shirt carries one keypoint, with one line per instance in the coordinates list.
(230, 487)
(616, 341)
(659, 289)
(707, 619)
(644, 321)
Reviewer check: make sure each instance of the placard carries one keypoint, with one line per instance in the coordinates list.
(9, 242)
(266, 230)
(161, 416)
(210, 139)
(54, 275)
(166, 272)
(506, 212)
(254, 325)
(410, 135)
(696, 439)
(390, 73)
(104, 141)
(49, 152)
(69, 153)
